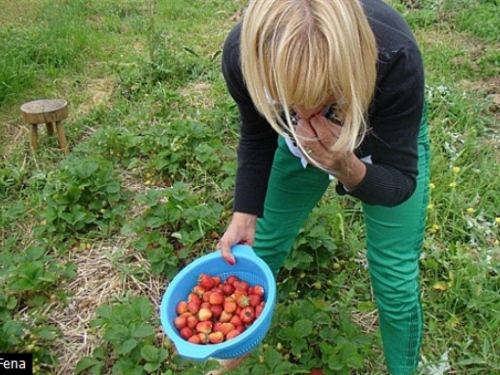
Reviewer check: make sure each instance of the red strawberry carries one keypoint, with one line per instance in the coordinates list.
(232, 334)
(247, 315)
(193, 297)
(225, 317)
(228, 289)
(206, 281)
(236, 320)
(192, 321)
(254, 300)
(199, 290)
(316, 371)
(194, 307)
(259, 290)
(182, 307)
(243, 285)
(231, 279)
(186, 333)
(216, 337)
(217, 326)
(216, 299)
(195, 339)
(203, 337)
(204, 314)
(229, 305)
(180, 322)
(206, 296)
(242, 301)
(241, 328)
(216, 280)
(204, 327)
(226, 328)
(258, 310)
(216, 310)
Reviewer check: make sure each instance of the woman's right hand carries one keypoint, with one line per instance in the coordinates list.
(241, 230)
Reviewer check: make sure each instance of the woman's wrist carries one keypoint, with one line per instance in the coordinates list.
(352, 172)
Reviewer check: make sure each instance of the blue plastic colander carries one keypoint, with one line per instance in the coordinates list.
(250, 268)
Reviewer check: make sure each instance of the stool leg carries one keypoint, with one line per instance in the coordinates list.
(50, 129)
(34, 136)
(62, 137)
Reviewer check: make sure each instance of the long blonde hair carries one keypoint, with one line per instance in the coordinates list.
(301, 52)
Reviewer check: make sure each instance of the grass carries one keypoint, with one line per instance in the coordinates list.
(89, 241)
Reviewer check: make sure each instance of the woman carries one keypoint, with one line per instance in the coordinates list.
(333, 89)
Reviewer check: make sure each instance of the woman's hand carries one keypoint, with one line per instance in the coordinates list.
(241, 230)
(318, 135)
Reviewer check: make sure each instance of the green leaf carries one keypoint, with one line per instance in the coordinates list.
(287, 334)
(142, 308)
(127, 346)
(272, 358)
(86, 363)
(140, 330)
(150, 353)
(303, 328)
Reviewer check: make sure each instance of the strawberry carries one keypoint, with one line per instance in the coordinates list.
(228, 289)
(243, 285)
(259, 290)
(194, 307)
(192, 321)
(231, 279)
(316, 371)
(216, 337)
(229, 305)
(206, 281)
(182, 307)
(193, 297)
(236, 320)
(243, 301)
(232, 334)
(180, 322)
(241, 328)
(216, 299)
(217, 280)
(225, 317)
(195, 339)
(203, 337)
(217, 326)
(206, 296)
(204, 327)
(254, 300)
(258, 310)
(226, 327)
(216, 310)
(199, 290)
(186, 333)
(247, 315)
(204, 314)
(205, 305)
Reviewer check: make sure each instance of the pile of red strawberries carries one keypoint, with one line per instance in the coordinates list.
(217, 311)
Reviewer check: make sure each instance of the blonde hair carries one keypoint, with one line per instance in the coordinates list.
(302, 52)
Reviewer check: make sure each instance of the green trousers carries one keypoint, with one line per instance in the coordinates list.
(394, 242)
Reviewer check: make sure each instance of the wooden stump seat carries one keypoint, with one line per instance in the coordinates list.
(46, 111)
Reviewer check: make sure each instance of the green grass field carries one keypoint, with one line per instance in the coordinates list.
(90, 239)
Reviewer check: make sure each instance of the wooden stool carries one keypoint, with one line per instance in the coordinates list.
(46, 111)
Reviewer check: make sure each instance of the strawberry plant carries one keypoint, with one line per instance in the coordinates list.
(130, 331)
(84, 196)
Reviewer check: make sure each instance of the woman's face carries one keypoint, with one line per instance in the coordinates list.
(307, 113)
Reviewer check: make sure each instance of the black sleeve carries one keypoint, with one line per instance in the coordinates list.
(395, 119)
(258, 140)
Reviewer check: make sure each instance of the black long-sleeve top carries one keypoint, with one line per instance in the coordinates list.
(394, 119)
